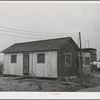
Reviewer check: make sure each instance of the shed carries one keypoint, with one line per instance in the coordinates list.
(93, 57)
(86, 61)
(45, 58)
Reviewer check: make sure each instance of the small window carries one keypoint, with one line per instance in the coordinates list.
(87, 60)
(13, 58)
(68, 59)
(40, 58)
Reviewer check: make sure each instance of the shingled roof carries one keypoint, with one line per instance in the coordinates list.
(42, 45)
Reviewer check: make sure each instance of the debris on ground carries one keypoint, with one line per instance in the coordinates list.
(46, 85)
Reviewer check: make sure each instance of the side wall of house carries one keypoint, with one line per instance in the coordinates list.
(63, 69)
(13, 68)
(47, 69)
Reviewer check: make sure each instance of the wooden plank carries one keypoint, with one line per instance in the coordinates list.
(30, 64)
(13, 68)
(47, 69)
(52, 64)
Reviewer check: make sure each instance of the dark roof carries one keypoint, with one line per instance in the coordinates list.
(42, 45)
(87, 49)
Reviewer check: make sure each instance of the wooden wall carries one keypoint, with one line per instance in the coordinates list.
(86, 68)
(48, 69)
(13, 68)
(84, 55)
(68, 47)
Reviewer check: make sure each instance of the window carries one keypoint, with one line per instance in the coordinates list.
(68, 59)
(87, 60)
(40, 58)
(13, 58)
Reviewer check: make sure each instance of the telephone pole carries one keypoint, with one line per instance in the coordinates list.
(88, 42)
(80, 54)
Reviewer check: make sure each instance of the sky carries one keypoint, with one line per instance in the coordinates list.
(23, 22)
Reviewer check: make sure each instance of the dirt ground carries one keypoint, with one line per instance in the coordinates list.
(95, 81)
(11, 84)
(28, 84)
(94, 89)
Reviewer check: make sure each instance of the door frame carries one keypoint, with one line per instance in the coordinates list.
(23, 63)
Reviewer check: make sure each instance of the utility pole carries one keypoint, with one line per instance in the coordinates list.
(88, 42)
(80, 54)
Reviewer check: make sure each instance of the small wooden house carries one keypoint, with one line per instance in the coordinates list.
(46, 58)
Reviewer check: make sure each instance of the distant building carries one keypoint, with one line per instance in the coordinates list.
(93, 57)
(86, 62)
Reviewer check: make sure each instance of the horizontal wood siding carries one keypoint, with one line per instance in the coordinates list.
(63, 69)
(13, 68)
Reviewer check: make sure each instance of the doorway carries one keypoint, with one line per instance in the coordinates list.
(26, 64)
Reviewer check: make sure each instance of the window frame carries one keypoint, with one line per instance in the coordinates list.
(13, 60)
(43, 59)
(69, 54)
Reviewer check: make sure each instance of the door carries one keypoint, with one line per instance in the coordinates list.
(25, 64)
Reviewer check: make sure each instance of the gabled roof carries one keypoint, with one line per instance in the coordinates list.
(42, 45)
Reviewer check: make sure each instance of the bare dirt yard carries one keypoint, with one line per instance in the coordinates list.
(11, 83)
(94, 89)
(29, 84)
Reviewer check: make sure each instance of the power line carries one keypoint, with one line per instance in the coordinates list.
(22, 36)
(33, 31)
(22, 33)
(32, 34)
(14, 31)
(14, 39)
(19, 36)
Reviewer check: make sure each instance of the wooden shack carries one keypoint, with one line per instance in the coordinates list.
(86, 62)
(93, 57)
(46, 58)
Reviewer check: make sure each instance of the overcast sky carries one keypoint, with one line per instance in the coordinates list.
(50, 20)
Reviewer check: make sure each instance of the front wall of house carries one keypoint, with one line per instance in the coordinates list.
(13, 68)
(47, 69)
(64, 69)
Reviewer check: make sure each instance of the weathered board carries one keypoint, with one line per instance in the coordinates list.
(47, 69)
(63, 69)
(13, 68)
(86, 68)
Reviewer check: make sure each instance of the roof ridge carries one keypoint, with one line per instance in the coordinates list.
(42, 40)
(41, 45)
